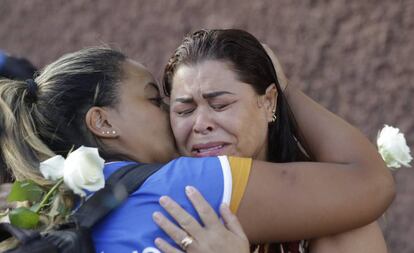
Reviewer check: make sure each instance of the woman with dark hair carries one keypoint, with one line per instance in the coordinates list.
(99, 98)
(226, 100)
(251, 64)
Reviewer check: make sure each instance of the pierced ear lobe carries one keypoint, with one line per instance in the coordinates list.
(98, 123)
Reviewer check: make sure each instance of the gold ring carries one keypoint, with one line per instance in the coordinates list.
(186, 242)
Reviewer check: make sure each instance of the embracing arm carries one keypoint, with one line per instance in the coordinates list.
(368, 239)
(347, 188)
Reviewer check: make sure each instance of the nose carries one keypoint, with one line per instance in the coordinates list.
(203, 123)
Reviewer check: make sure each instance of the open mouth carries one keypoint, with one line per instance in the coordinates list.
(208, 149)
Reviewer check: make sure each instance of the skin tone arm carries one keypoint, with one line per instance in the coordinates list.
(216, 237)
(349, 187)
(368, 239)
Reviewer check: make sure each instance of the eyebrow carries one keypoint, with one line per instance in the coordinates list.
(214, 94)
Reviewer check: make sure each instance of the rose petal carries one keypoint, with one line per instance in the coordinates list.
(393, 147)
(53, 167)
(84, 170)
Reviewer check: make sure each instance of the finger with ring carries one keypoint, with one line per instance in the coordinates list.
(187, 241)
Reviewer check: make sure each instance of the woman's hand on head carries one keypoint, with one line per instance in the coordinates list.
(214, 236)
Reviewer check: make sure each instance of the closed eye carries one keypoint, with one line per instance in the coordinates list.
(185, 112)
(156, 101)
(221, 106)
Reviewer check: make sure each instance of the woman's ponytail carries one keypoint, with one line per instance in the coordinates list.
(21, 147)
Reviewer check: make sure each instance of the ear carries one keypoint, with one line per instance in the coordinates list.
(270, 101)
(98, 122)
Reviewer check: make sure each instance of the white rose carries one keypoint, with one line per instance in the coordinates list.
(52, 168)
(393, 147)
(84, 170)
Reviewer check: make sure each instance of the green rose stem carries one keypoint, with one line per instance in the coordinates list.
(48, 195)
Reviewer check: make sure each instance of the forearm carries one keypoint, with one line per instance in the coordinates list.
(368, 239)
(327, 136)
(293, 201)
(332, 140)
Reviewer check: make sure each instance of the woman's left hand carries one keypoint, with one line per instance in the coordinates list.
(195, 238)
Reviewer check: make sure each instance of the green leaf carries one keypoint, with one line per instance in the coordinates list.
(23, 217)
(25, 190)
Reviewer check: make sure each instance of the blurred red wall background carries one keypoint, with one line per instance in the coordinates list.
(355, 57)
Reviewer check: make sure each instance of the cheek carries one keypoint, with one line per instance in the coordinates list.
(153, 119)
(250, 128)
(181, 128)
(162, 120)
(252, 140)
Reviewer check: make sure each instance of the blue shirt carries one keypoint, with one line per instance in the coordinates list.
(130, 227)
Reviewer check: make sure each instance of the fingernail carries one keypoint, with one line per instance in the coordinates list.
(189, 190)
(156, 216)
(163, 200)
(157, 241)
